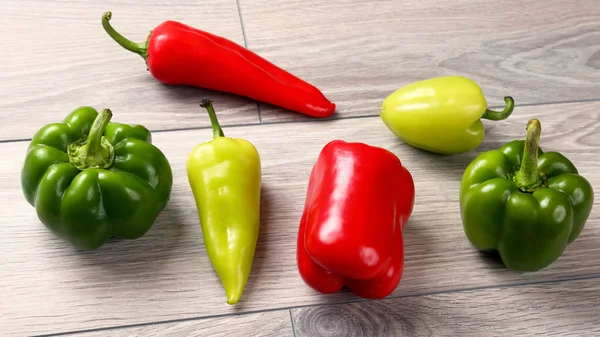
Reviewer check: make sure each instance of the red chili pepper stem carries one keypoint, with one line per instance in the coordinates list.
(214, 123)
(500, 115)
(138, 48)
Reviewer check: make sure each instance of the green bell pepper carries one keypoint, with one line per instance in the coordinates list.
(524, 203)
(90, 179)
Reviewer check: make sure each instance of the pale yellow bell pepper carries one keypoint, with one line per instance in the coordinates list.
(441, 115)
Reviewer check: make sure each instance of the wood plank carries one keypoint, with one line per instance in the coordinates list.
(358, 52)
(49, 287)
(264, 324)
(59, 58)
(561, 309)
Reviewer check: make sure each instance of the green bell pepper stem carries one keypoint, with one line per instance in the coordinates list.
(527, 178)
(500, 115)
(214, 123)
(138, 48)
(93, 151)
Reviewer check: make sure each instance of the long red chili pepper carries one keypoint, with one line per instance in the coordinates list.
(179, 54)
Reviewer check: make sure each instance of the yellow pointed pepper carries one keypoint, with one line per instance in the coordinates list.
(441, 115)
(225, 178)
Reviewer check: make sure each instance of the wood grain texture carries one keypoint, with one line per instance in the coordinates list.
(56, 57)
(561, 309)
(265, 324)
(358, 52)
(49, 287)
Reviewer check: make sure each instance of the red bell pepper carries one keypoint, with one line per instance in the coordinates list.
(358, 200)
(179, 54)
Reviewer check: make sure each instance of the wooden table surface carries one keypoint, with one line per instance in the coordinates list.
(55, 57)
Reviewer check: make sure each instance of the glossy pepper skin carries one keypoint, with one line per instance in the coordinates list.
(358, 201)
(526, 204)
(176, 53)
(90, 179)
(441, 115)
(225, 178)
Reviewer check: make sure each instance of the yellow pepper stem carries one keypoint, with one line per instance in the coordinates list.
(214, 123)
(500, 115)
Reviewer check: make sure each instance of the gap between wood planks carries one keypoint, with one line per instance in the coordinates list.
(314, 120)
(359, 300)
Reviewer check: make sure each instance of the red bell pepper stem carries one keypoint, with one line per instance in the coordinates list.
(179, 54)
